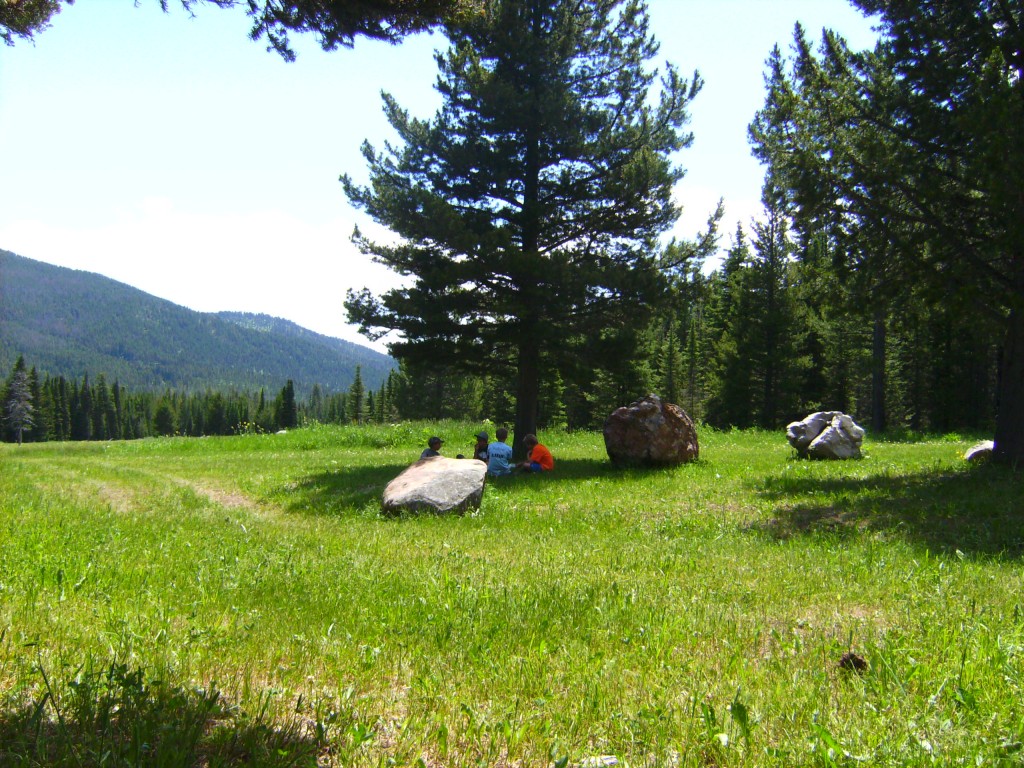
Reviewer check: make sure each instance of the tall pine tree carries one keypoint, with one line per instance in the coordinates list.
(529, 207)
(921, 143)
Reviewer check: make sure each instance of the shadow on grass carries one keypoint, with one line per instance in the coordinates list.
(344, 491)
(976, 510)
(118, 717)
(341, 491)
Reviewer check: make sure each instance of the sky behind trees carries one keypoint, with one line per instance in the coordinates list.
(174, 154)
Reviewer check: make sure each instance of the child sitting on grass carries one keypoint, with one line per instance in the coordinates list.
(538, 457)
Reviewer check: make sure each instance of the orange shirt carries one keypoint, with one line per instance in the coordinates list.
(541, 455)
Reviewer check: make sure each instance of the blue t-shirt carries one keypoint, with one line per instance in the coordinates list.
(499, 458)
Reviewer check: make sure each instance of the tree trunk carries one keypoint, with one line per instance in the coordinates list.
(878, 372)
(1009, 436)
(527, 393)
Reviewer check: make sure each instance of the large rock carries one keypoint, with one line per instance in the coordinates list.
(437, 484)
(980, 452)
(826, 435)
(650, 433)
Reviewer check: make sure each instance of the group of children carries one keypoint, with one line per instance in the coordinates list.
(498, 454)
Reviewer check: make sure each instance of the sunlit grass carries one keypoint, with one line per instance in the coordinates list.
(231, 601)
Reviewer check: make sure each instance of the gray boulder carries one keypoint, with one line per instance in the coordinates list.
(826, 435)
(437, 484)
(650, 432)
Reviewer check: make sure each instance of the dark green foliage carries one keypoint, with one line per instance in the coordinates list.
(23, 18)
(164, 418)
(356, 403)
(529, 207)
(910, 160)
(71, 323)
(286, 410)
(18, 409)
(338, 22)
(334, 23)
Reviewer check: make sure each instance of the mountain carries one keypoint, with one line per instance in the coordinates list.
(69, 322)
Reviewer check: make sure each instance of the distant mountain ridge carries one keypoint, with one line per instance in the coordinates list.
(70, 322)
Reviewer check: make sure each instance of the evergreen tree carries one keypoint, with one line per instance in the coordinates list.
(81, 410)
(18, 408)
(264, 417)
(286, 412)
(668, 362)
(316, 403)
(42, 416)
(115, 415)
(216, 420)
(529, 208)
(337, 408)
(356, 401)
(61, 394)
(920, 142)
(333, 24)
(772, 315)
(164, 418)
(731, 386)
(102, 410)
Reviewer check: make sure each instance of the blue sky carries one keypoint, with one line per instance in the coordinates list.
(174, 154)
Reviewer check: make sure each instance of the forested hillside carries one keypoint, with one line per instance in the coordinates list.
(70, 323)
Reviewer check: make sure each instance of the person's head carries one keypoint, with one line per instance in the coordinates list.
(501, 434)
(530, 440)
(435, 443)
(482, 437)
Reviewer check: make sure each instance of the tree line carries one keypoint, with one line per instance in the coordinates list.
(776, 331)
(40, 407)
(885, 277)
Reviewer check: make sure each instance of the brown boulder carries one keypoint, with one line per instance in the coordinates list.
(436, 484)
(650, 433)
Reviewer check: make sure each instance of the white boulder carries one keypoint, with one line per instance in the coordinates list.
(826, 435)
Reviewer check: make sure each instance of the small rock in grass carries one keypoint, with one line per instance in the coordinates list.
(851, 662)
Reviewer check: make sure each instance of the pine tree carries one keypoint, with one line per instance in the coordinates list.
(772, 315)
(81, 410)
(286, 412)
(102, 407)
(164, 419)
(731, 385)
(356, 401)
(18, 408)
(529, 208)
(316, 403)
(920, 145)
(334, 24)
(42, 415)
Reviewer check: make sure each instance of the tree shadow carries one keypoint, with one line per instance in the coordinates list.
(578, 469)
(116, 716)
(974, 510)
(341, 492)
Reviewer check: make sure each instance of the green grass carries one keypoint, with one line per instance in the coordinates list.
(240, 601)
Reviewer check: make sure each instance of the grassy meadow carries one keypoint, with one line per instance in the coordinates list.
(241, 601)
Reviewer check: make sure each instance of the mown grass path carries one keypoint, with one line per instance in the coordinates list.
(240, 601)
